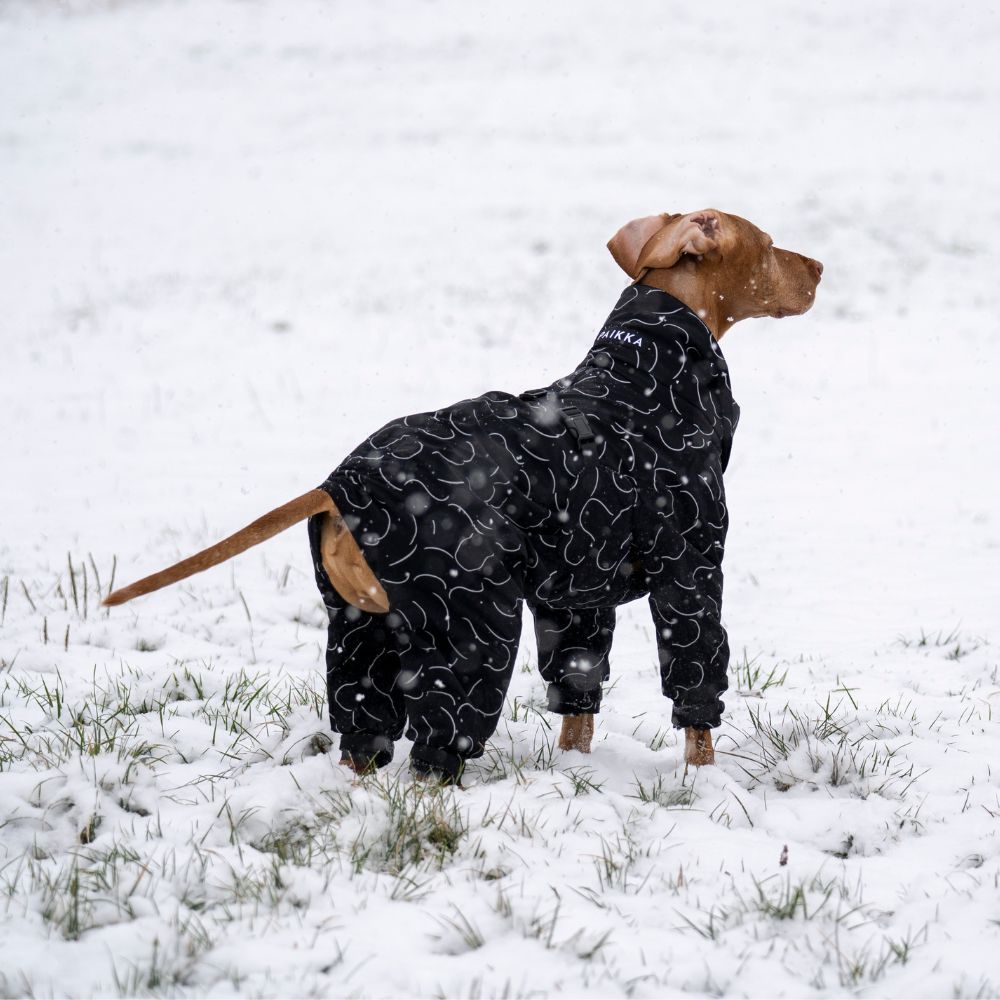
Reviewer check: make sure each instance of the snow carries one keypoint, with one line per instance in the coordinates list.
(234, 238)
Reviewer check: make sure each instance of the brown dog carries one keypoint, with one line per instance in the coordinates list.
(719, 265)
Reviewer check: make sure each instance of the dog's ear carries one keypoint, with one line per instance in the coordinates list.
(627, 244)
(661, 240)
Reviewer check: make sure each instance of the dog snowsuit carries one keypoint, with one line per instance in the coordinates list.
(600, 489)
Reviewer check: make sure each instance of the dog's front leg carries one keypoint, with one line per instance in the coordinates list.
(573, 648)
(577, 732)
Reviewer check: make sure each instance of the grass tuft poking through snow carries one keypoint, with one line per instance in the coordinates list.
(182, 823)
(175, 821)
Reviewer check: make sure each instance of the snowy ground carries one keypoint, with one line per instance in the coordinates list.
(235, 237)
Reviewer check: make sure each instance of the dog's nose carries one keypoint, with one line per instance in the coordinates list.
(817, 268)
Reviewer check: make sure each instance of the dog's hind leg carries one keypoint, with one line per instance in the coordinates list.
(366, 703)
(466, 605)
(458, 675)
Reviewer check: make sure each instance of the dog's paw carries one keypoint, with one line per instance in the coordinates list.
(360, 764)
(698, 750)
(577, 732)
(428, 775)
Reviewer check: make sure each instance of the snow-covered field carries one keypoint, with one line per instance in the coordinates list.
(234, 238)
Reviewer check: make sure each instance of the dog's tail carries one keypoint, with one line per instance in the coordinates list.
(343, 561)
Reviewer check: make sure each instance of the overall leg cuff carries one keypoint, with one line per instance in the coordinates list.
(366, 750)
(432, 762)
(697, 716)
(569, 701)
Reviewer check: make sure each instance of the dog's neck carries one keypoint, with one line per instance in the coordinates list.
(706, 302)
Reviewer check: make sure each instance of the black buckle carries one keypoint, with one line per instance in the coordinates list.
(533, 395)
(578, 425)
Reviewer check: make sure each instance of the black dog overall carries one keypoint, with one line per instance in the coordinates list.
(602, 488)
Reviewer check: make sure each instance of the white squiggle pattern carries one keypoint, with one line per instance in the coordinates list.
(466, 512)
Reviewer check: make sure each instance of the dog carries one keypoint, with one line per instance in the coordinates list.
(606, 486)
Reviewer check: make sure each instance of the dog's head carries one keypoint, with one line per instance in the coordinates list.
(736, 264)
